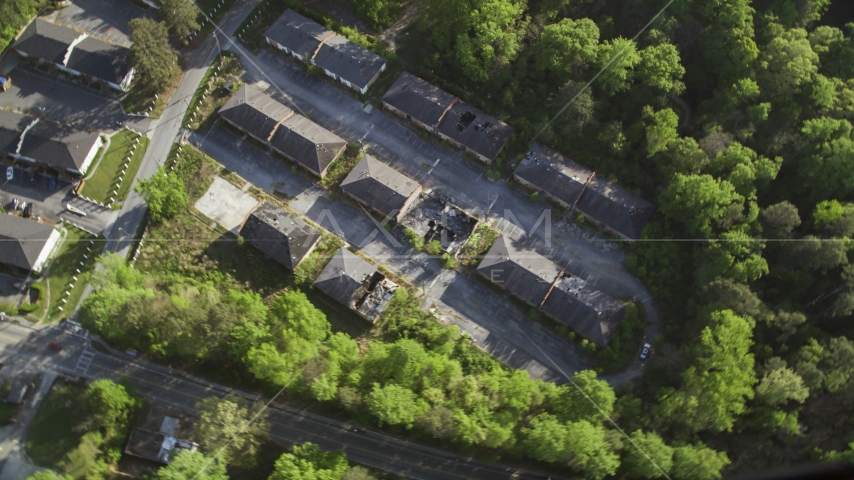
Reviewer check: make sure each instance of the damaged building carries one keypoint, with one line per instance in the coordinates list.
(567, 183)
(356, 283)
(434, 217)
(544, 285)
(282, 236)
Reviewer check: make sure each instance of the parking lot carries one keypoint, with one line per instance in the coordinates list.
(103, 19)
(52, 204)
(11, 289)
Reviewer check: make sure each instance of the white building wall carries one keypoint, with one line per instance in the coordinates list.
(46, 251)
(87, 162)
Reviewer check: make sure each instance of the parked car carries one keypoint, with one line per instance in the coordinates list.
(10, 173)
(14, 204)
(23, 205)
(645, 351)
(54, 346)
(30, 210)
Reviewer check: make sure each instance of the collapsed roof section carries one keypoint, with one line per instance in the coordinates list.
(356, 283)
(434, 217)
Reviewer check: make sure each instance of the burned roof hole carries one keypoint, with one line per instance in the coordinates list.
(465, 120)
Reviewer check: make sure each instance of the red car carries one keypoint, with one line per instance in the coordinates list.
(54, 346)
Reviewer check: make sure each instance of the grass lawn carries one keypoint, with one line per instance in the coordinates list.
(137, 100)
(212, 86)
(65, 266)
(52, 435)
(213, 254)
(99, 186)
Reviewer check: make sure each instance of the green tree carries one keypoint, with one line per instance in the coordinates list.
(547, 439)
(394, 405)
(727, 45)
(744, 169)
(699, 202)
(621, 72)
(736, 256)
(310, 463)
(567, 46)
(661, 69)
(224, 420)
(720, 380)
(779, 220)
(192, 466)
(180, 17)
(649, 458)
(660, 129)
(164, 193)
(357, 473)
(570, 401)
(108, 407)
(827, 212)
(788, 63)
(378, 13)
(697, 462)
(155, 61)
(682, 155)
(780, 385)
(829, 168)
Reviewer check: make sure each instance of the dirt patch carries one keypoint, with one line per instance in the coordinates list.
(340, 10)
(408, 14)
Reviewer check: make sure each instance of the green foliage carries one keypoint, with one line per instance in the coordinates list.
(192, 465)
(697, 462)
(648, 456)
(534, 197)
(417, 241)
(155, 61)
(378, 13)
(180, 17)
(230, 430)
(308, 462)
(434, 248)
(827, 212)
(8, 308)
(14, 14)
(49, 475)
(699, 202)
(164, 193)
(449, 262)
(394, 405)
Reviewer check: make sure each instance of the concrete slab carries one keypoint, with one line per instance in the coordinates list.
(226, 204)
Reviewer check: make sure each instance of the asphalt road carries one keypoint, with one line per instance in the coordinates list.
(163, 132)
(23, 349)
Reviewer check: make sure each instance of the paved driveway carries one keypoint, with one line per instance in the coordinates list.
(11, 289)
(43, 95)
(494, 323)
(103, 19)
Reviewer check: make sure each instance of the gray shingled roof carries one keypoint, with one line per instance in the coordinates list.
(297, 33)
(378, 185)
(418, 99)
(45, 40)
(553, 173)
(282, 236)
(307, 143)
(100, 59)
(343, 275)
(57, 145)
(524, 273)
(475, 130)
(254, 111)
(592, 313)
(350, 61)
(22, 241)
(615, 207)
(11, 126)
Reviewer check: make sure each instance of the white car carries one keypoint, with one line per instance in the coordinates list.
(10, 173)
(645, 351)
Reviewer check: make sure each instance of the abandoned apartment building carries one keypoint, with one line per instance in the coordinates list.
(563, 296)
(357, 284)
(434, 217)
(282, 236)
(381, 188)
